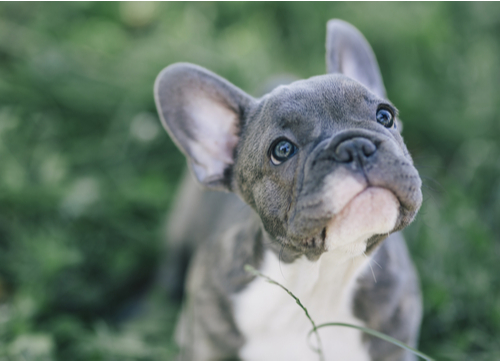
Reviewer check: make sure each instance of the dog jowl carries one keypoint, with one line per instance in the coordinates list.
(318, 181)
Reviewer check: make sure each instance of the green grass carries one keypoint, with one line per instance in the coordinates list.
(88, 175)
(315, 328)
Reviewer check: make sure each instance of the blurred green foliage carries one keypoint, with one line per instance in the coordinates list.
(87, 173)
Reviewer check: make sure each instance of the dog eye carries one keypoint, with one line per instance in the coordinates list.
(385, 117)
(281, 151)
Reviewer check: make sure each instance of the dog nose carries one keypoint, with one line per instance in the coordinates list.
(354, 148)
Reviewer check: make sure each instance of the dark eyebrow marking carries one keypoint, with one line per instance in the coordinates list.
(387, 104)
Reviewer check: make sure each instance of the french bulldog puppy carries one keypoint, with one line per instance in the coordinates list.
(320, 180)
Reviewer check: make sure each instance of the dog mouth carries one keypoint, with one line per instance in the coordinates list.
(374, 210)
(355, 211)
(350, 211)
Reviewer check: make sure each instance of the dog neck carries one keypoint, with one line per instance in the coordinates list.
(324, 286)
(334, 271)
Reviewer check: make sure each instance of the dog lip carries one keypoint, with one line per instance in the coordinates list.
(358, 221)
(310, 217)
(319, 241)
(351, 199)
(368, 186)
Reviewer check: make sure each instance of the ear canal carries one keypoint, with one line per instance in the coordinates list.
(348, 53)
(203, 114)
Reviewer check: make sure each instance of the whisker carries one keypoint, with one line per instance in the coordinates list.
(432, 180)
(279, 259)
(370, 264)
(376, 263)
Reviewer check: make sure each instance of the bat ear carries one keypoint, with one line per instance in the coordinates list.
(203, 114)
(348, 53)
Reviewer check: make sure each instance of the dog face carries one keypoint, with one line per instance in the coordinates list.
(324, 165)
(321, 160)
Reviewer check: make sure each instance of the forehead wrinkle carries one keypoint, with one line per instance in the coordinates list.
(289, 118)
(290, 109)
(328, 97)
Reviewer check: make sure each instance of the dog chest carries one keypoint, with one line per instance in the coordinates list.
(276, 328)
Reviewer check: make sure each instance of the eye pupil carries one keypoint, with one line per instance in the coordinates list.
(385, 118)
(282, 151)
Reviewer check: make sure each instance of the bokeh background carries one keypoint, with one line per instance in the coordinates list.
(87, 174)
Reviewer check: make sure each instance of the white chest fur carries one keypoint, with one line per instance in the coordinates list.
(276, 328)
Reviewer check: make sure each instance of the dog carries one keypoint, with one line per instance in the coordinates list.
(317, 183)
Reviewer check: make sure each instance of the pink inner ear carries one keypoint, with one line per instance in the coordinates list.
(349, 67)
(214, 127)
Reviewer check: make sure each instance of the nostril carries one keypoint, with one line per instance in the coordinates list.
(368, 148)
(353, 148)
(344, 153)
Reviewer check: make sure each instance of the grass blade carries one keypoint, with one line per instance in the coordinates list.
(256, 273)
(315, 328)
(376, 334)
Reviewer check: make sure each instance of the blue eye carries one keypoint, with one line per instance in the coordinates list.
(281, 151)
(385, 117)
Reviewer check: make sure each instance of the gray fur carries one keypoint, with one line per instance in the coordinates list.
(347, 51)
(331, 119)
(389, 300)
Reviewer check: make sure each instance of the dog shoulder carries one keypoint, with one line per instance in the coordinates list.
(207, 329)
(388, 299)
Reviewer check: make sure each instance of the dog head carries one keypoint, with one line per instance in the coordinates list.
(321, 160)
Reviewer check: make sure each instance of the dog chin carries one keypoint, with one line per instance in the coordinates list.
(373, 210)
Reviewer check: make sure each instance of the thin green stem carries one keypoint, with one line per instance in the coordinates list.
(319, 350)
(373, 333)
(315, 328)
